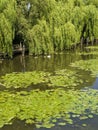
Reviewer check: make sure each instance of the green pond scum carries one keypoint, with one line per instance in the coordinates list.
(45, 108)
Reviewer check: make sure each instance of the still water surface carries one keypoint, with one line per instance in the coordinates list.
(50, 64)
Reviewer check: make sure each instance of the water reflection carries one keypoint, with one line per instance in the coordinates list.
(95, 85)
(29, 63)
(18, 125)
(43, 63)
(22, 61)
(92, 124)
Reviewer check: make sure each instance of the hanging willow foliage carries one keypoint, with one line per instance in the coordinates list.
(7, 16)
(57, 34)
(47, 26)
(64, 26)
(40, 42)
(90, 21)
(6, 35)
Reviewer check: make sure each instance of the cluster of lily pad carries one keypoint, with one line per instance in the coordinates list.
(87, 65)
(45, 108)
(49, 107)
(23, 80)
(61, 78)
(65, 78)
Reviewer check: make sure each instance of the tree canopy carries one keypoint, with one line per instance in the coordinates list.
(47, 26)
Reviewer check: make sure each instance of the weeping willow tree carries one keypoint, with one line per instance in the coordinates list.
(90, 22)
(47, 26)
(7, 20)
(22, 23)
(39, 39)
(60, 24)
(55, 31)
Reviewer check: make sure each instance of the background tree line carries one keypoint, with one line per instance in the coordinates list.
(47, 26)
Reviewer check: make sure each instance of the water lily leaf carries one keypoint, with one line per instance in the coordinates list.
(84, 125)
(62, 123)
(44, 108)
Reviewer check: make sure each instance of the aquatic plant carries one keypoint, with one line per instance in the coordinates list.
(23, 80)
(87, 65)
(65, 78)
(60, 78)
(44, 108)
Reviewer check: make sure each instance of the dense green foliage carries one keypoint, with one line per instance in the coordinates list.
(7, 25)
(47, 26)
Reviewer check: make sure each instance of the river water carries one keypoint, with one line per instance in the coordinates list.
(49, 64)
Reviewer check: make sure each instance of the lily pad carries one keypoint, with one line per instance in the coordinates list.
(44, 108)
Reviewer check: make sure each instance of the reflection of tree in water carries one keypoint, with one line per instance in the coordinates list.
(22, 61)
(15, 65)
(6, 67)
(18, 125)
